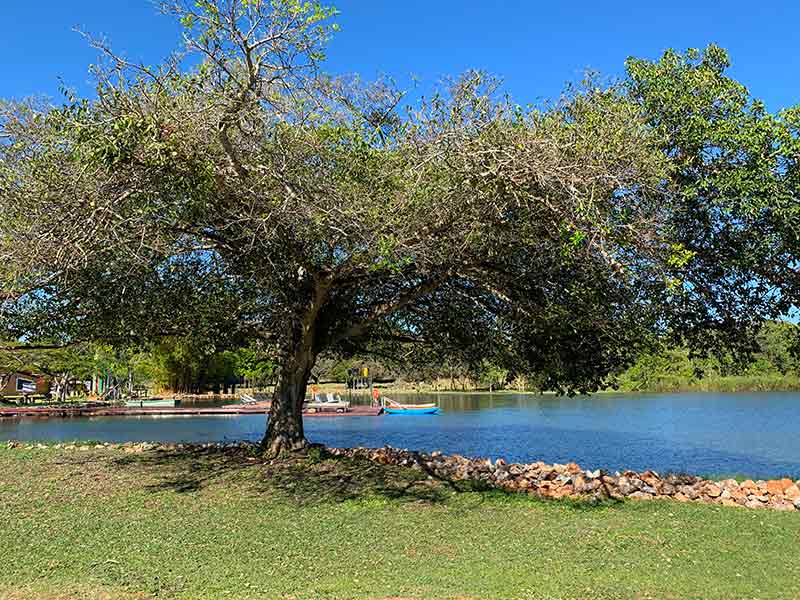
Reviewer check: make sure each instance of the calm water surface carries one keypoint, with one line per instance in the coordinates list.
(757, 434)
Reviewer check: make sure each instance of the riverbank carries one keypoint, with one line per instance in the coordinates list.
(102, 522)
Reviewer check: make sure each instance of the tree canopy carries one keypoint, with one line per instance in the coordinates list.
(238, 192)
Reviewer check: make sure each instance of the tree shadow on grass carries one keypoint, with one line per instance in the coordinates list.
(315, 478)
(190, 470)
(328, 479)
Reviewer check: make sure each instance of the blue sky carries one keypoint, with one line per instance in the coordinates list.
(534, 46)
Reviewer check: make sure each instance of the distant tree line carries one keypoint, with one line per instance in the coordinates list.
(183, 365)
(773, 365)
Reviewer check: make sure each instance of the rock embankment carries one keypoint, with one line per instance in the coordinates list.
(569, 480)
(536, 479)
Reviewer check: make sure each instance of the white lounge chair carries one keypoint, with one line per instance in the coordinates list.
(340, 406)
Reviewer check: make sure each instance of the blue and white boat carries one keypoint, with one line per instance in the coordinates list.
(411, 411)
(396, 408)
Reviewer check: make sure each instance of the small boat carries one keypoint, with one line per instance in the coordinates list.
(392, 404)
(431, 410)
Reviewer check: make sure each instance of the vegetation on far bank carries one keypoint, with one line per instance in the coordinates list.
(177, 365)
(100, 523)
(773, 366)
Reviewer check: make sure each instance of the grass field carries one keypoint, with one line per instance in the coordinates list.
(101, 523)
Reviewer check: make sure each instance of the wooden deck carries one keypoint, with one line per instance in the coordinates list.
(260, 408)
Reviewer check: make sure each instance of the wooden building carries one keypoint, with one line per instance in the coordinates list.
(15, 385)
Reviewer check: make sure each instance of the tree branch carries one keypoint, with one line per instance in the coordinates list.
(387, 308)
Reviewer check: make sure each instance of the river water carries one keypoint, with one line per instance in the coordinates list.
(756, 434)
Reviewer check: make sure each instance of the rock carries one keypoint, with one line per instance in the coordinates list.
(677, 480)
(625, 487)
(548, 474)
(593, 486)
(681, 497)
(777, 486)
(728, 502)
(712, 491)
(573, 468)
(544, 488)
(755, 504)
(792, 492)
(689, 491)
(797, 503)
(667, 489)
(782, 505)
(637, 483)
(649, 490)
(748, 485)
(640, 496)
(520, 483)
(740, 496)
(563, 491)
(650, 478)
(516, 469)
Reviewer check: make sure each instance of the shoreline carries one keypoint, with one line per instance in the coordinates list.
(548, 481)
(73, 412)
(735, 386)
(198, 400)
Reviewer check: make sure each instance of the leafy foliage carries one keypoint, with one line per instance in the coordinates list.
(733, 170)
(248, 198)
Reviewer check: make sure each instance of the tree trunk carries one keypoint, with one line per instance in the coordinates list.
(285, 423)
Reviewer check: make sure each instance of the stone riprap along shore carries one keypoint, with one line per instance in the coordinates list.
(570, 481)
(535, 479)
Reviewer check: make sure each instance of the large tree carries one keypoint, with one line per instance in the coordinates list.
(240, 193)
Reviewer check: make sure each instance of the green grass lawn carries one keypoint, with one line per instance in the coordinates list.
(106, 524)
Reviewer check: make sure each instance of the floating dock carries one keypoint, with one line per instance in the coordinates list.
(261, 408)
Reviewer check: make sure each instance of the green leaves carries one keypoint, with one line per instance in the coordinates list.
(680, 256)
(732, 222)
